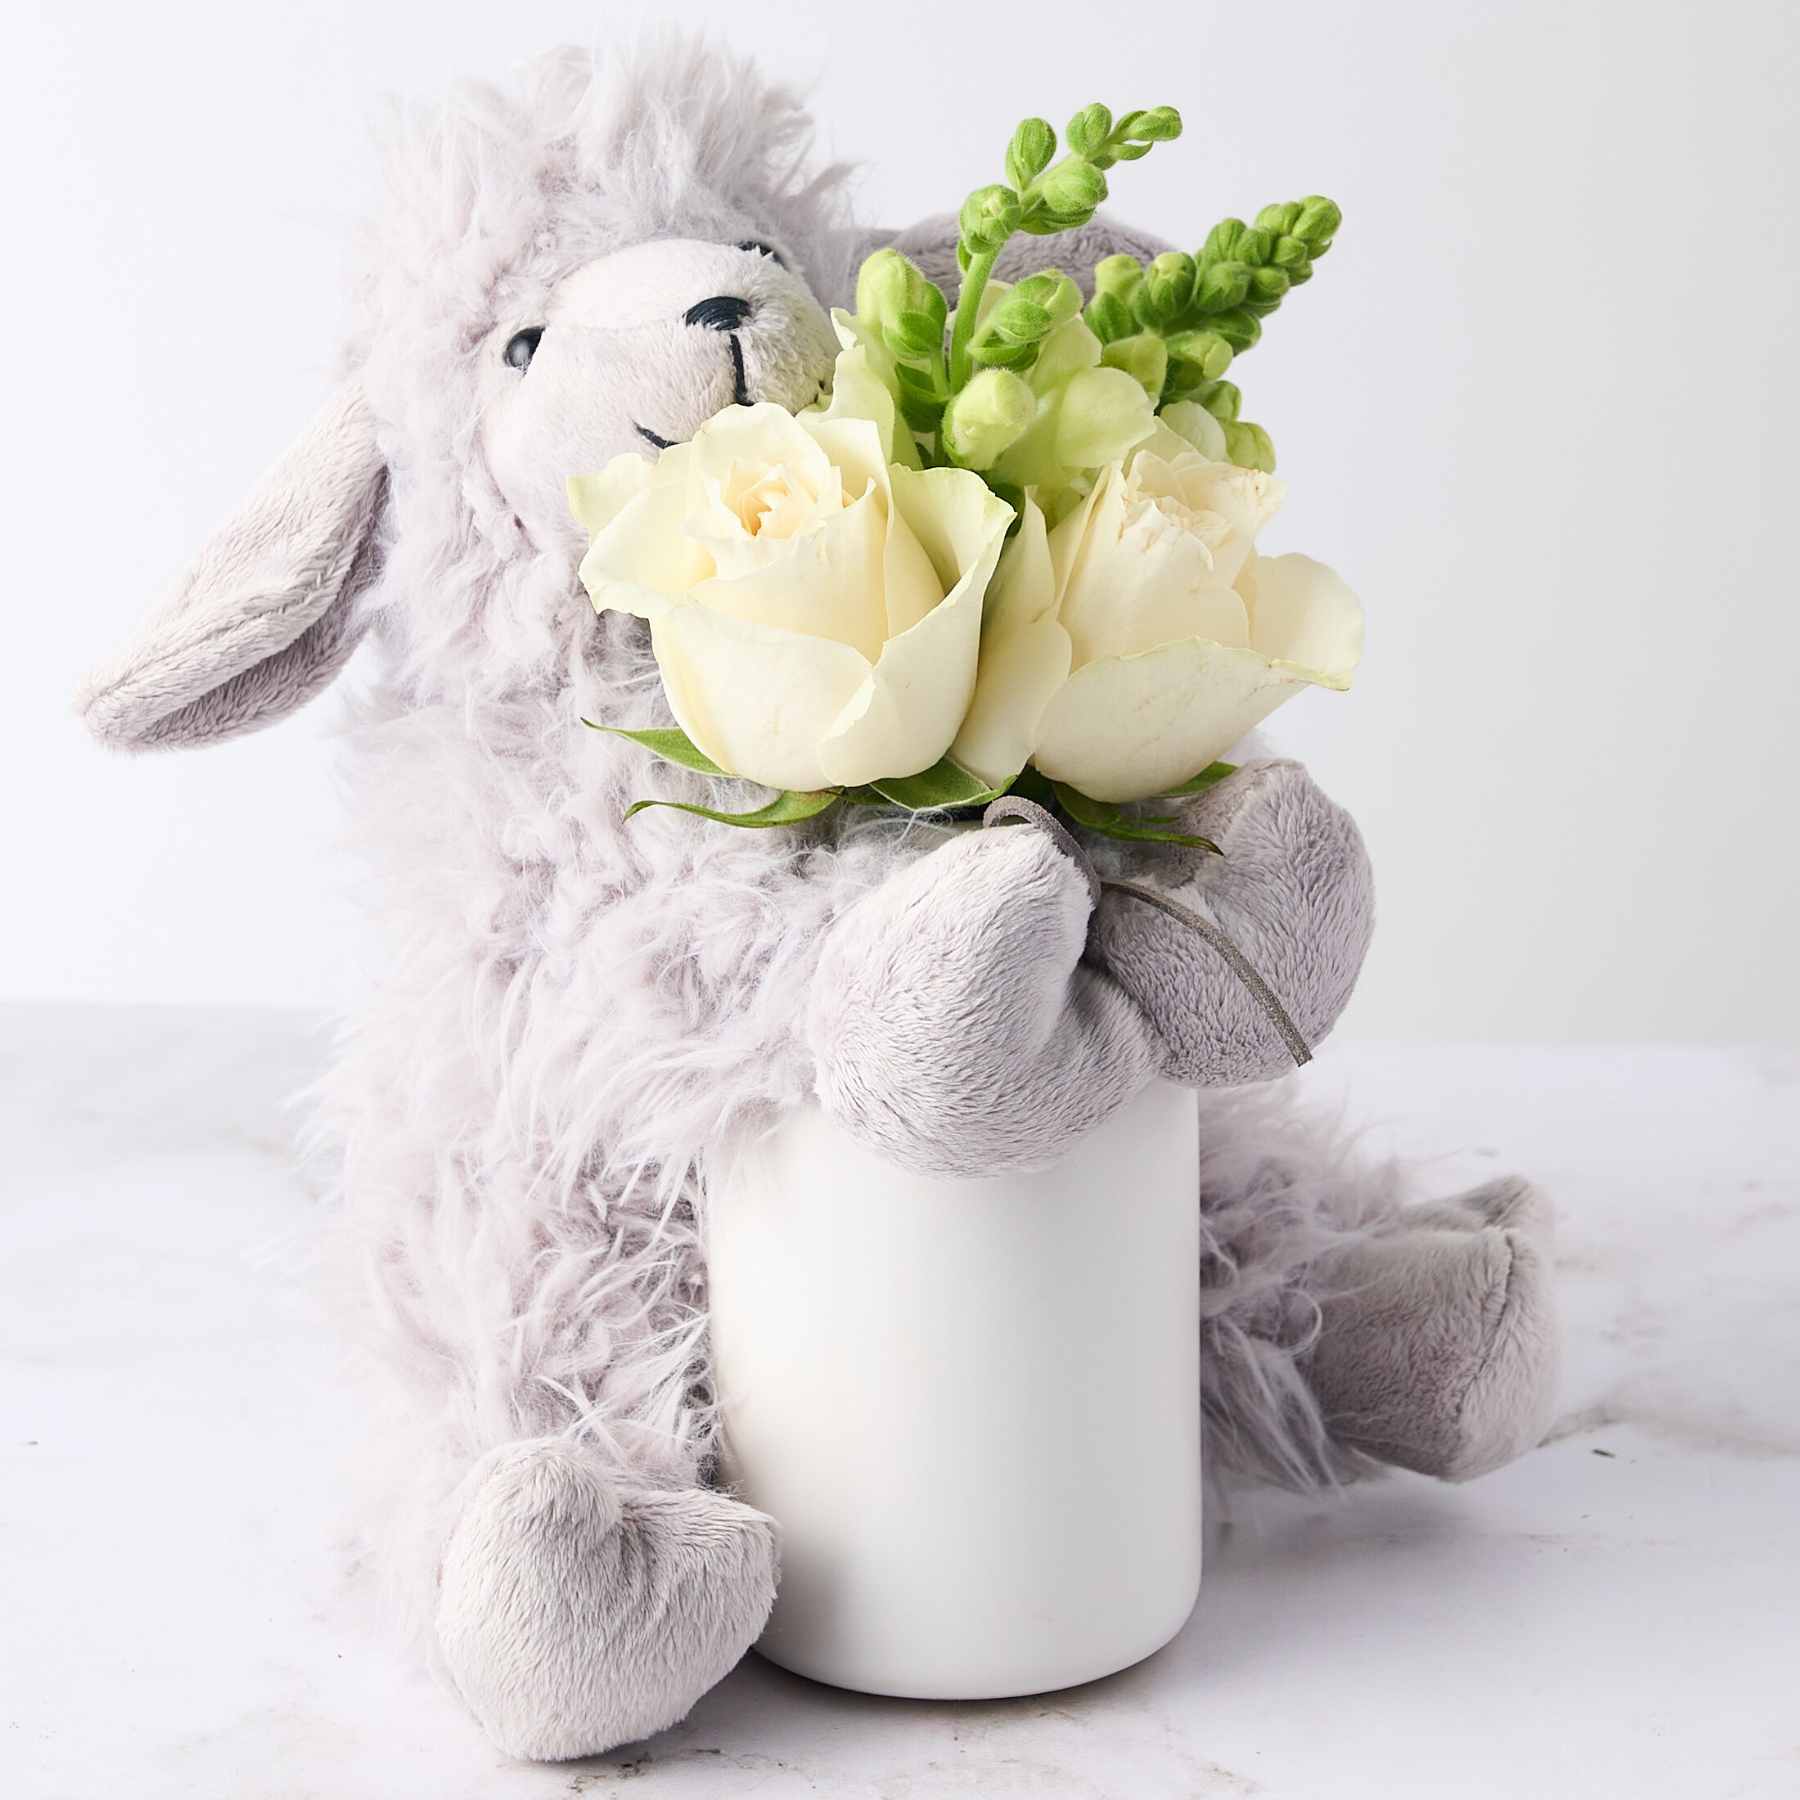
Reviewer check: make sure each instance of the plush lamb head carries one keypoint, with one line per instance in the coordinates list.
(578, 1014)
(638, 349)
(648, 267)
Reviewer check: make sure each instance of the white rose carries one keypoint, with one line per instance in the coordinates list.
(815, 609)
(1136, 642)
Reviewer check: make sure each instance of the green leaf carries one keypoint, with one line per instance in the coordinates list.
(944, 784)
(1210, 776)
(1109, 821)
(787, 808)
(671, 745)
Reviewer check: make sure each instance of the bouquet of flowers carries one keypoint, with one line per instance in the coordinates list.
(1014, 549)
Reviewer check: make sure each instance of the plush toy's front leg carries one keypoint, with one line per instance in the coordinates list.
(581, 1605)
(956, 1026)
(1293, 891)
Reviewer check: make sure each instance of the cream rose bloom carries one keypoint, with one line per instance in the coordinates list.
(1133, 644)
(815, 608)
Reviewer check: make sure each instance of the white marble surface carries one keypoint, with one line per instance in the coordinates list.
(1618, 1614)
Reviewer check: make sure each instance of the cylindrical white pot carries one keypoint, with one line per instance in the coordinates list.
(972, 1407)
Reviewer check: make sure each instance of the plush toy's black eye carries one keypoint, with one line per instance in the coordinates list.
(762, 249)
(522, 347)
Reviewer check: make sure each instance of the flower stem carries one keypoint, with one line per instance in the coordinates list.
(968, 303)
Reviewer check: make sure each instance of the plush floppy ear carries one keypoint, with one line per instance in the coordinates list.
(931, 244)
(267, 614)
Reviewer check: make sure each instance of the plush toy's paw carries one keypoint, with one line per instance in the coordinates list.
(1293, 892)
(1438, 1347)
(954, 1024)
(574, 1614)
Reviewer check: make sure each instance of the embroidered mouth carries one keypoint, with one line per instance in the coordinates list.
(740, 395)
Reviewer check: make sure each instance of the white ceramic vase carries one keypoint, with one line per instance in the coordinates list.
(973, 1407)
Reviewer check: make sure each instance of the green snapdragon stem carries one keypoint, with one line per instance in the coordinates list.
(968, 301)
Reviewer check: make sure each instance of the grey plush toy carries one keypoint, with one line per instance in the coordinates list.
(577, 1015)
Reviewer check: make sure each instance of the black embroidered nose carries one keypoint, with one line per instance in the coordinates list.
(723, 312)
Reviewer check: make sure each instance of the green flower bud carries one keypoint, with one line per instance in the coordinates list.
(988, 417)
(1029, 153)
(1291, 254)
(1179, 381)
(1267, 285)
(1137, 131)
(896, 302)
(1144, 357)
(1317, 223)
(914, 334)
(1206, 352)
(1053, 291)
(1170, 281)
(997, 353)
(989, 217)
(1240, 327)
(1073, 188)
(1231, 240)
(1249, 447)
(1089, 130)
(1109, 317)
(920, 383)
(1220, 398)
(1278, 220)
(1222, 242)
(1160, 125)
(1221, 286)
(1117, 275)
(886, 286)
(1016, 320)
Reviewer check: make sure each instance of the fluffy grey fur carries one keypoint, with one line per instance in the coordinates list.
(576, 1017)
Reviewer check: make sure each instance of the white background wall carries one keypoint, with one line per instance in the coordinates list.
(1538, 407)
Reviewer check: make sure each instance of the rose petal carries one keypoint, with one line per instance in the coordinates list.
(956, 516)
(643, 554)
(760, 437)
(758, 700)
(906, 716)
(1306, 618)
(1071, 534)
(1144, 578)
(911, 587)
(1024, 658)
(859, 392)
(596, 500)
(1133, 726)
(1246, 499)
(827, 583)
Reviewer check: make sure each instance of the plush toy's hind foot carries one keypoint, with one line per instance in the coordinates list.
(1438, 1346)
(575, 1614)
